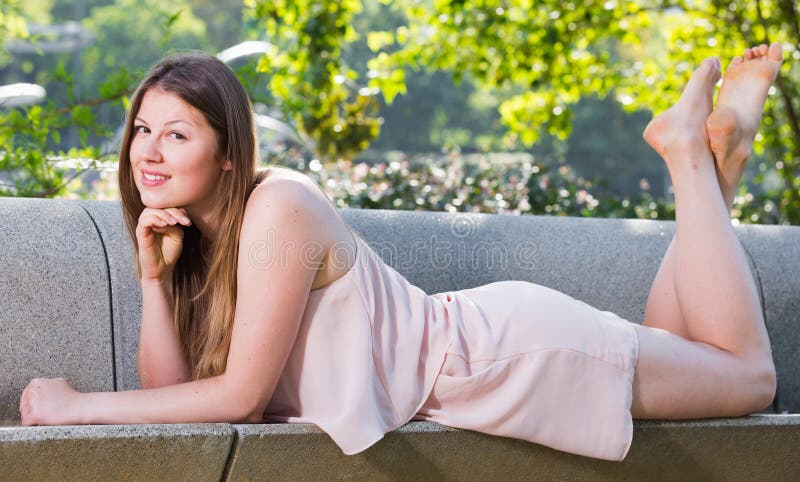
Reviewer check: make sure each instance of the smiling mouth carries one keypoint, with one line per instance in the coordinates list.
(153, 179)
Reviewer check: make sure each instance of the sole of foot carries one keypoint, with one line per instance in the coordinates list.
(733, 124)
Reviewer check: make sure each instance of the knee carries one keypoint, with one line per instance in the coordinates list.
(760, 383)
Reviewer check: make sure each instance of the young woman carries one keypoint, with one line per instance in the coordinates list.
(260, 304)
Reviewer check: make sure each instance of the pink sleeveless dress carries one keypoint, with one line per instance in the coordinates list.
(509, 358)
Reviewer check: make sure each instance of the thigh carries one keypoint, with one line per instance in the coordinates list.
(677, 378)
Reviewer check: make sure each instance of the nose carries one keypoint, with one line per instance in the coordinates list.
(150, 150)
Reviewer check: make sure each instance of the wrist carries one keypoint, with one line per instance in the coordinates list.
(158, 282)
(83, 408)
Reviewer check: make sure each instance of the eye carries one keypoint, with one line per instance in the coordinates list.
(141, 130)
(177, 136)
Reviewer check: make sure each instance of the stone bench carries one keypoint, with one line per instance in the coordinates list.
(71, 306)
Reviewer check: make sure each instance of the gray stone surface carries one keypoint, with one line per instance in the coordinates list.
(126, 293)
(66, 273)
(776, 252)
(193, 452)
(54, 299)
(758, 447)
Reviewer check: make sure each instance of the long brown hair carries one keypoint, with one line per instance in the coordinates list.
(204, 277)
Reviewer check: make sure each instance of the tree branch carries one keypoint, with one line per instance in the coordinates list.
(790, 10)
(54, 189)
(93, 102)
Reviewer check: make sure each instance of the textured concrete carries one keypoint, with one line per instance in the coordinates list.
(66, 274)
(759, 447)
(126, 295)
(54, 299)
(193, 452)
(776, 253)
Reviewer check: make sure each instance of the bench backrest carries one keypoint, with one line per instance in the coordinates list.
(70, 305)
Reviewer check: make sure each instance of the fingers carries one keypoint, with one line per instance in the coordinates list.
(41, 397)
(164, 217)
(25, 402)
(159, 219)
(178, 215)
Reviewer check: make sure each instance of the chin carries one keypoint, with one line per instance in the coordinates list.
(155, 203)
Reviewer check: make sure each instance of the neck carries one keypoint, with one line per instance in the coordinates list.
(202, 216)
(205, 224)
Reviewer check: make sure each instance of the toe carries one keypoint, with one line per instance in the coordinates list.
(706, 71)
(776, 52)
(762, 50)
(717, 66)
(736, 60)
(748, 54)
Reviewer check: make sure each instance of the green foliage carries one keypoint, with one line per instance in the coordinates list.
(12, 25)
(33, 159)
(30, 164)
(488, 183)
(725, 29)
(313, 86)
(532, 62)
(544, 56)
(138, 44)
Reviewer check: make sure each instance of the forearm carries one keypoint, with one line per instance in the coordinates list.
(206, 400)
(160, 359)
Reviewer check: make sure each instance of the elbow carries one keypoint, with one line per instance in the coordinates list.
(249, 413)
(254, 417)
(245, 401)
(246, 406)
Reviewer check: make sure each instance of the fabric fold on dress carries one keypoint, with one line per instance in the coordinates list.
(510, 358)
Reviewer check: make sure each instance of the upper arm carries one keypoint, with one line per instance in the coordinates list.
(280, 251)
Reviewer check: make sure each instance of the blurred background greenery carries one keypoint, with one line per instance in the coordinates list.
(508, 106)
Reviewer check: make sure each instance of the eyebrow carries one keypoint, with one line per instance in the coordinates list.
(167, 123)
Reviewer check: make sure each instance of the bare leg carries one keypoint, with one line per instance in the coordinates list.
(731, 130)
(727, 369)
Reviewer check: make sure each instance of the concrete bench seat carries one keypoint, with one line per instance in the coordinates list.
(71, 307)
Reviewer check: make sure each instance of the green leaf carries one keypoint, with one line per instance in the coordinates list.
(379, 40)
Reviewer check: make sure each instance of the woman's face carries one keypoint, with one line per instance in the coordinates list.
(174, 154)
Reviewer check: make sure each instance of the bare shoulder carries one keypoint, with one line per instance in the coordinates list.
(309, 210)
(282, 188)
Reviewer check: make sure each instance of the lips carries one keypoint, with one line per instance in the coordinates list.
(150, 178)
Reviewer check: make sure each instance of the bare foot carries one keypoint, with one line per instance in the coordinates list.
(679, 132)
(734, 123)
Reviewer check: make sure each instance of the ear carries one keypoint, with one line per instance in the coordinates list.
(227, 166)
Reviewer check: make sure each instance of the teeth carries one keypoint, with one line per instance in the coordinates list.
(150, 177)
